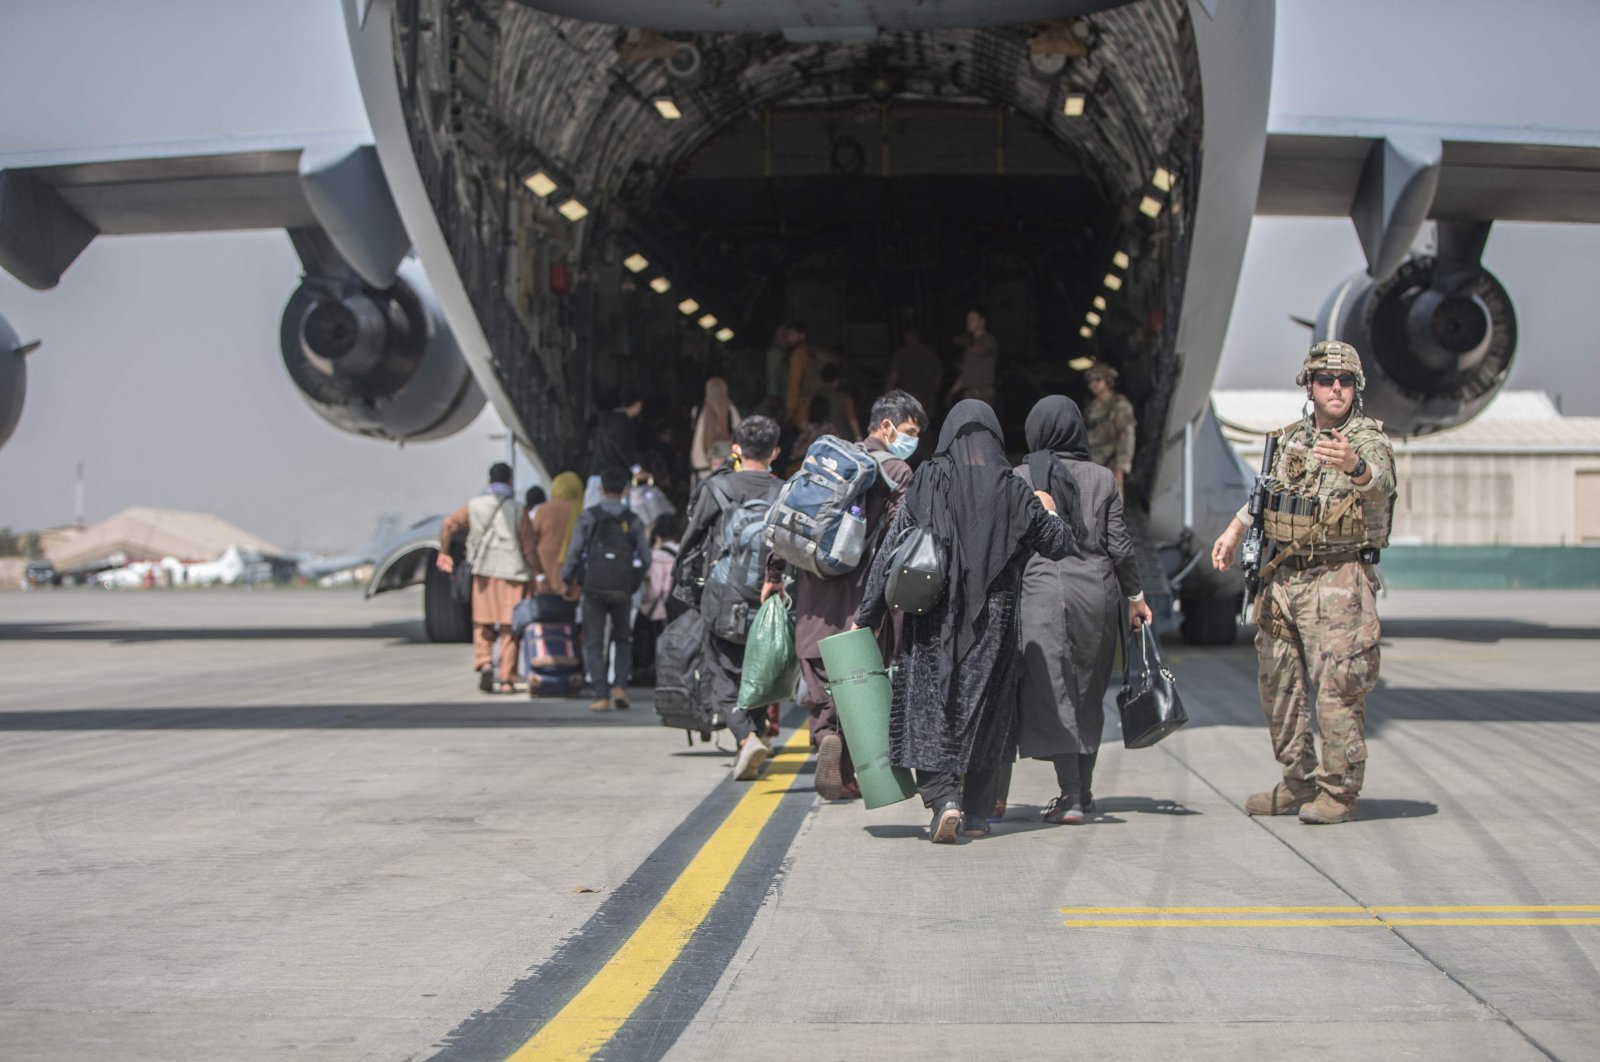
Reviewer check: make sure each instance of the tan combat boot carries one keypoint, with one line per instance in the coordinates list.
(1279, 800)
(1327, 810)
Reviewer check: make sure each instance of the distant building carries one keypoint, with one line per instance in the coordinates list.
(144, 534)
(1519, 474)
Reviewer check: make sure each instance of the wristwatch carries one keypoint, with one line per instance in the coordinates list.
(1361, 467)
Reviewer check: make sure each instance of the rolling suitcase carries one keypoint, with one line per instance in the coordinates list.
(550, 660)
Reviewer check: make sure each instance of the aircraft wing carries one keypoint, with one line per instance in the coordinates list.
(53, 203)
(1390, 176)
(1314, 168)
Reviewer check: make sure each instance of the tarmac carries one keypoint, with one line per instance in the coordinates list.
(244, 824)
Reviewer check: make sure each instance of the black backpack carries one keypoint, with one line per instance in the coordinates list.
(681, 699)
(608, 554)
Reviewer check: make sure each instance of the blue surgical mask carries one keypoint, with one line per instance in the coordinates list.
(903, 446)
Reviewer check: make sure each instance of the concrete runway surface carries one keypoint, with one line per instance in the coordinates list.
(279, 824)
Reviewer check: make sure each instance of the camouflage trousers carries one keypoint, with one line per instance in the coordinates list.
(1319, 630)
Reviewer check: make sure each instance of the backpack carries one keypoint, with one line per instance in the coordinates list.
(819, 521)
(680, 692)
(738, 565)
(608, 553)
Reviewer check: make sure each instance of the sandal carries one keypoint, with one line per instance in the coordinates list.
(503, 686)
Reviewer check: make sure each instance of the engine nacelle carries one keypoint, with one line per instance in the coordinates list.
(378, 363)
(13, 380)
(1434, 354)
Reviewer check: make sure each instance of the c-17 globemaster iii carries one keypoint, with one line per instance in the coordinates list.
(564, 195)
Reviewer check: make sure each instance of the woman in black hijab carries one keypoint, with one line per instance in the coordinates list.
(1073, 608)
(954, 711)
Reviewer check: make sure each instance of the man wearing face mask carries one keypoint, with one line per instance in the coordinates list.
(827, 606)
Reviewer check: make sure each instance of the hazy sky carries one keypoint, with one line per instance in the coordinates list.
(161, 368)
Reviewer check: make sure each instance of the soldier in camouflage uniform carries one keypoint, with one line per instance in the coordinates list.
(1110, 421)
(1317, 610)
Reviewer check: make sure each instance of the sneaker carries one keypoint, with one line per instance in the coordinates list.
(619, 697)
(1279, 800)
(1327, 810)
(1064, 811)
(830, 757)
(600, 704)
(946, 823)
(752, 754)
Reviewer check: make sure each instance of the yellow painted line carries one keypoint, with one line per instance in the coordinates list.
(1456, 909)
(1225, 923)
(1217, 923)
(594, 1015)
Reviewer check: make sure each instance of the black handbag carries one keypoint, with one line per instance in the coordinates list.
(461, 582)
(1148, 702)
(916, 571)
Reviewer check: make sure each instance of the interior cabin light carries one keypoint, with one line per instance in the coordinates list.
(1120, 259)
(1150, 206)
(573, 210)
(1092, 317)
(1113, 282)
(661, 285)
(1163, 179)
(1086, 332)
(667, 108)
(1080, 364)
(724, 334)
(539, 183)
(1099, 302)
(1073, 104)
(708, 322)
(688, 306)
(636, 263)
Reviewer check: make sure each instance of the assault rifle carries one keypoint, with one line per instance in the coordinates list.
(1256, 547)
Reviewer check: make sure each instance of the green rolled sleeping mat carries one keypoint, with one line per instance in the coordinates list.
(859, 684)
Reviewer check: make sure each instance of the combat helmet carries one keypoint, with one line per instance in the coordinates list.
(1333, 356)
(1100, 368)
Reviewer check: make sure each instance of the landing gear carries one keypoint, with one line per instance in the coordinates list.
(443, 617)
(1211, 620)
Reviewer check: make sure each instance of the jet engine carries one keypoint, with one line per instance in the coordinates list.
(1436, 343)
(379, 363)
(13, 380)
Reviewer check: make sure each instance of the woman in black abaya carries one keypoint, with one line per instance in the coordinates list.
(954, 710)
(1073, 608)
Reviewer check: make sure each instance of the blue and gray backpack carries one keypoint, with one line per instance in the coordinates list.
(819, 521)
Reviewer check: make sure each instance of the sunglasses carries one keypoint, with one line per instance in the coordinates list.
(1327, 379)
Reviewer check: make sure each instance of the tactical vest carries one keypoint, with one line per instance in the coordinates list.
(1302, 494)
(493, 544)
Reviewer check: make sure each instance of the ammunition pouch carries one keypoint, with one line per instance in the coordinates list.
(1289, 517)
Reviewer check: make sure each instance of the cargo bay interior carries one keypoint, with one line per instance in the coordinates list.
(634, 206)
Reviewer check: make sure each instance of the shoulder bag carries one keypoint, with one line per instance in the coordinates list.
(917, 564)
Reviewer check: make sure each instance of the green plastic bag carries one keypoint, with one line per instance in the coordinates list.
(770, 666)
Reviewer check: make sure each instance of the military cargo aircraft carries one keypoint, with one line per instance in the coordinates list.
(563, 196)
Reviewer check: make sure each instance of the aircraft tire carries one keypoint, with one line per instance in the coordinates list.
(1211, 620)
(443, 617)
